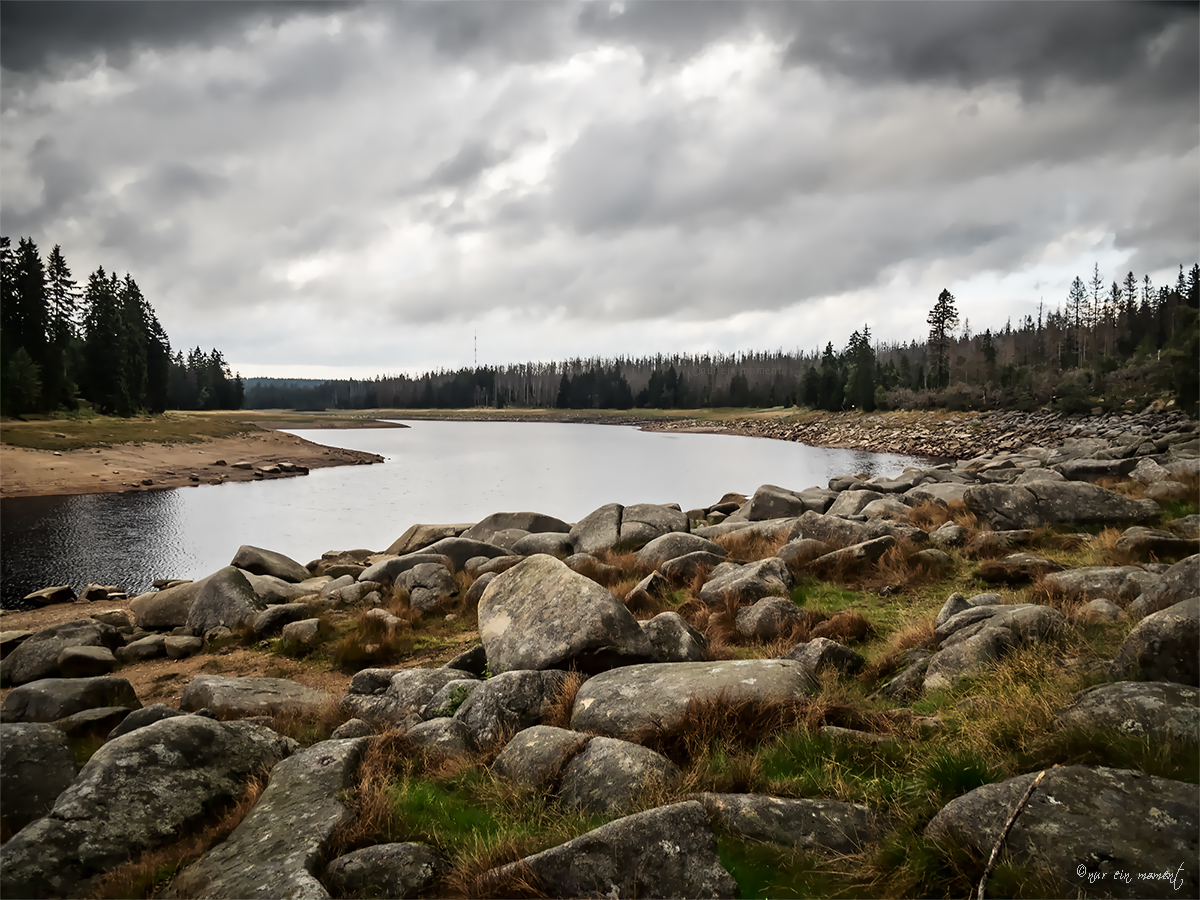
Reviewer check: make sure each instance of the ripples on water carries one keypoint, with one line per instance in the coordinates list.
(434, 472)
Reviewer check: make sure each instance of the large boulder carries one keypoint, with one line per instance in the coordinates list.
(821, 825)
(268, 562)
(37, 656)
(1118, 583)
(270, 589)
(384, 870)
(385, 571)
(1178, 583)
(240, 697)
(140, 718)
(86, 662)
(670, 851)
(609, 775)
(508, 702)
(682, 569)
(52, 699)
(673, 639)
(852, 502)
(833, 530)
(164, 609)
(551, 542)
(226, 598)
(1166, 711)
(536, 756)
(418, 537)
(391, 697)
(532, 522)
(674, 545)
(821, 653)
(1084, 826)
(1055, 502)
(623, 701)
(1164, 646)
(428, 585)
(643, 522)
(597, 531)
(136, 793)
(773, 502)
(36, 765)
(541, 615)
(279, 848)
(458, 550)
(1143, 543)
(746, 584)
(768, 619)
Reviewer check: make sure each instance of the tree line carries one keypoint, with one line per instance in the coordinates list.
(1105, 347)
(102, 344)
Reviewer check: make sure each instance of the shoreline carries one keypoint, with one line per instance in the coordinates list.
(145, 466)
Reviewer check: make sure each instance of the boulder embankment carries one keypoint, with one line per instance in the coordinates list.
(939, 434)
(810, 682)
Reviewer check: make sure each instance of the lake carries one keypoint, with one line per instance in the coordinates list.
(434, 472)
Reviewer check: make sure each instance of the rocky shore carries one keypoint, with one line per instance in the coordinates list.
(842, 688)
(939, 434)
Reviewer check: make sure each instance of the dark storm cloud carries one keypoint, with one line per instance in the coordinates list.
(35, 34)
(1029, 43)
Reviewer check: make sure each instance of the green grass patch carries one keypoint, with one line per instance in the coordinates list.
(765, 870)
(825, 596)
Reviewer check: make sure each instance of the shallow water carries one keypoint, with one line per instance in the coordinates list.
(433, 472)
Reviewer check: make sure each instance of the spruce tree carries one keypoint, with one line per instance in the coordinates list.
(942, 319)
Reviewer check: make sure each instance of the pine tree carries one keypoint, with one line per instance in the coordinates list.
(942, 319)
(104, 346)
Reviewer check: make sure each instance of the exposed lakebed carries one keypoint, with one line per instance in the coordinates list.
(434, 472)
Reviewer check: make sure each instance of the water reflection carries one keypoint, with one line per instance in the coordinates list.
(434, 472)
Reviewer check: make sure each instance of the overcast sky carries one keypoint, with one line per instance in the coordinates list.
(349, 190)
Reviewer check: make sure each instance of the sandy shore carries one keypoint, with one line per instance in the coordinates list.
(153, 466)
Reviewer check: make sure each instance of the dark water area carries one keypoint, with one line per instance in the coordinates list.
(433, 472)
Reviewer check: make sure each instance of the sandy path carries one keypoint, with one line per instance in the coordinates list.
(126, 467)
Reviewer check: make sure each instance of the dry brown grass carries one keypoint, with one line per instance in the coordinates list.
(745, 548)
(478, 878)
(310, 726)
(558, 713)
(918, 633)
(846, 627)
(898, 569)
(144, 875)
(932, 514)
(388, 755)
(369, 642)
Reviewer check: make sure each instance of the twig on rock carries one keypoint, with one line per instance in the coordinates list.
(991, 863)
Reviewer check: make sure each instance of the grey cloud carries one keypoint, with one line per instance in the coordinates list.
(472, 159)
(969, 44)
(33, 35)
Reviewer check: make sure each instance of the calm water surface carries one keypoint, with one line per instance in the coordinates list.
(434, 472)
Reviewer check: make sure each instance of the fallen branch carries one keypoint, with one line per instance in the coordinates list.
(991, 863)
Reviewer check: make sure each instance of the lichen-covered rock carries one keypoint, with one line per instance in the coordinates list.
(555, 544)
(1164, 710)
(541, 615)
(509, 702)
(623, 701)
(1119, 583)
(531, 522)
(458, 550)
(446, 737)
(798, 553)
(56, 698)
(1178, 583)
(832, 529)
(140, 718)
(390, 697)
(643, 522)
(37, 656)
(822, 825)
(822, 653)
(278, 849)
(536, 756)
(1144, 542)
(36, 765)
(769, 618)
(1164, 646)
(137, 792)
(268, 562)
(428, 585)
(746, 584)
(856, 555)
(225, 598)
(85, 662)
(384, 871)
(1083, 826)
(670, 851)
(1052, 503)
(598, 530)
(450, 697)
(682, 569)
(236, 698)
(950, 665)
(673, 639)
(673, 545)
(609, 775)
